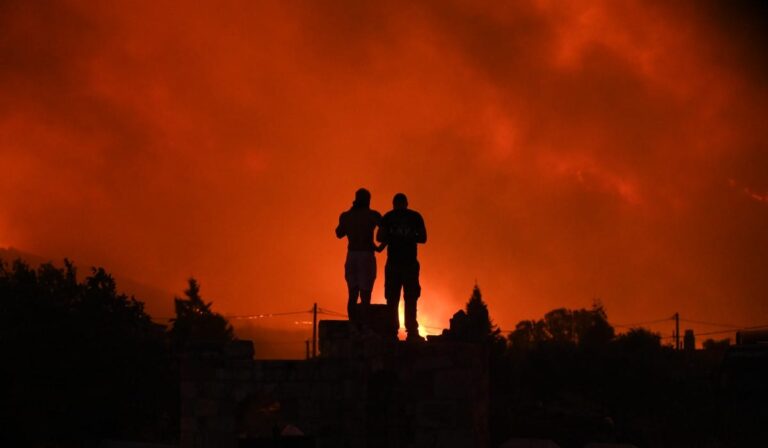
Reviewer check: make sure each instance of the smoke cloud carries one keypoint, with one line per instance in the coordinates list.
(560, 152)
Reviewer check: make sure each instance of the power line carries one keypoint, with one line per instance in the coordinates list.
(714, 324)
(709, 333)
(326, 310)
(248, 316)
(758, 327)
(263, 315)
(734, 330)
(330, 312)
(648, 322)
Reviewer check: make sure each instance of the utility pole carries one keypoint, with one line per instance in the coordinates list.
(677, 331)
(306, 344)
(314, 330)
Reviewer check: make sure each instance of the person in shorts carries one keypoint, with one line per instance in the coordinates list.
(358, 224)
(400, 231)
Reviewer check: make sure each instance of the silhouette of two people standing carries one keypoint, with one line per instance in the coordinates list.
(400, 231)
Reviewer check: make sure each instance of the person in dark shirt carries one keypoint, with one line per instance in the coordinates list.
(400, 231)
(357, 224)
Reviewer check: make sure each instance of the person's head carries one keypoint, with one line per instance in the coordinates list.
(400, 201)
(362, 198)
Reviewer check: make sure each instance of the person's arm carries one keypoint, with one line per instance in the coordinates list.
(341, 231)
(421, 230)
(382, 235)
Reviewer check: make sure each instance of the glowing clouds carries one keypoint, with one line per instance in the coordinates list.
(557, 150)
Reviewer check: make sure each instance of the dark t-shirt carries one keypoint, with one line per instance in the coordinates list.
(357, 225)
(402, 229)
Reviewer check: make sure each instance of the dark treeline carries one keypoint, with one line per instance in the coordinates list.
(568, 377)
(81, 362)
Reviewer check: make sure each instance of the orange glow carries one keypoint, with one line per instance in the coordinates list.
(558, 151)
(426, 323)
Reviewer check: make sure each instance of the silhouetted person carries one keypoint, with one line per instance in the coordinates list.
(357, 225)
(401, 230)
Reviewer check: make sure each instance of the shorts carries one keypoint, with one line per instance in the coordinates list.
(360, 270)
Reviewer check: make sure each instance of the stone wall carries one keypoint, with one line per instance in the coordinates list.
(362, 392)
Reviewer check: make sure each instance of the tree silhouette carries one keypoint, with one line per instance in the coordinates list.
(559, 325)
(527, 334)
(585, 328)
(196, 326)
(82, 358)
(474, 324)
(591, 327)
(569, 378)
(639, 340)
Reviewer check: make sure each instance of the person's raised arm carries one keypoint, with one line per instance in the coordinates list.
(341, 231)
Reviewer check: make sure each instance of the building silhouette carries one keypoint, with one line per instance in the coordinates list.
(361, 391)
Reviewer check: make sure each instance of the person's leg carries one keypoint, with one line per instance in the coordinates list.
(367, 275)
(392, 286)
(364, 308)
(352, 303)
(411, 293)
(411, 324)
(351, 276)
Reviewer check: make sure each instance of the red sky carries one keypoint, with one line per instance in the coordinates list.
(559, 151)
